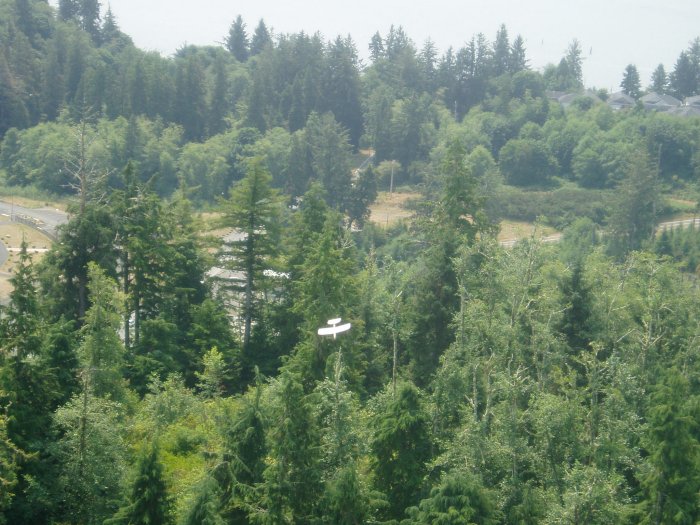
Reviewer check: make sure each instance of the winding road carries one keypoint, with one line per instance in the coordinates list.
(45, 219)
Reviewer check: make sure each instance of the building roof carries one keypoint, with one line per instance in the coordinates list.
(657, 102)
(620, 100)
(685, 111)
(692, 101)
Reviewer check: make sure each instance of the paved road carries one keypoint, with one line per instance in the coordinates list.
(3, 253)
(48, 218)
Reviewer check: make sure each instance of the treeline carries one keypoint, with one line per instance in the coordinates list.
(195, 116)
(538, 384)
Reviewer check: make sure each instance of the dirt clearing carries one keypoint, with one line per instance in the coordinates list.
(390, 208)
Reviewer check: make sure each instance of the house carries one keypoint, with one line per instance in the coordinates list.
(692, 101)
(656, 102)
(620, 100)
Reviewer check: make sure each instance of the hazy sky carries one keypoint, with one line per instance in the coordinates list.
(613, 33)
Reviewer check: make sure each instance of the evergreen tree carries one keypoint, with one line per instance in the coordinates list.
(89, 11)
(345, 500)
(331, 158)
(672, 482)
(204, 508)
(633, 216)
(147, 503)
(341, 87)
(91, 457)
(631, 84)
(574, 63)
(190, 106)
(101, 352)
(261, 39)
(292, 478)
(237, 40)
(518, 58)
(501, 52)
(24, 376)
(376, 47)
(68, 9)
(244, 455)
(458, 500)
(683, 81)
(253, 210)
(364, 193)
(401, 449)
(219, 103)
(659, 80)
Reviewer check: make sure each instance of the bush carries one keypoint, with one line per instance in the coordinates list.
(559, 207)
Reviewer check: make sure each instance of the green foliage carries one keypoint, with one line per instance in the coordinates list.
(560, 207)
(101, 353)
(458, 500)
(527, 162)
(631, 84)
(147, 501)
(346, 501)
(562, 383)
(10, 456)
(254, 211)
(400, 449)
(203, 510)
(213, 377)
(671, 474)
(91, 453)
(292, 478)
(633, 215)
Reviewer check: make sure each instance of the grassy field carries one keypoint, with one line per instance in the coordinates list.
(11, 235)
(390, 208)
(520, 230)
(28, 202)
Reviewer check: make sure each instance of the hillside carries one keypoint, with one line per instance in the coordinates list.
(170, 357)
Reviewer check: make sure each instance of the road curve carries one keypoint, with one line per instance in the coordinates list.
(48, 219)
(4, 254)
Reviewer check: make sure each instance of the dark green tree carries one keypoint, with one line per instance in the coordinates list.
(683, 80)
(261, 39)
(518, 57)
(331, 158)
(237, 40)
(631, 85)
(363, 194)
(292, 479)
(459, 499)
(401, 449)
(525, 162)
(24, 377)
(253, 210)
(190, 105)
(219, 101)
(633, 215)
(10, 456)
(345, 500)
(204, 507)
(89, 12)
(244, 455)
(501, 52)
(341, 87)
(672, 482)
(147, 502)
(68, 9)
(659, 80)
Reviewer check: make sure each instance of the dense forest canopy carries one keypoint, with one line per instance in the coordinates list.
(153, 373)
